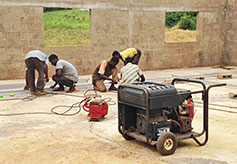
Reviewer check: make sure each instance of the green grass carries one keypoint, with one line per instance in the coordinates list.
(67, 27)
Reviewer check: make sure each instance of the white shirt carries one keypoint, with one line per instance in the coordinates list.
(68, 70)
(38, 54)
(130, 73)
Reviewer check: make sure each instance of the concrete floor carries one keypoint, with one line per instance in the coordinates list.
(43, 137)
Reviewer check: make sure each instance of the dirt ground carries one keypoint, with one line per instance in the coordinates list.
(28, 136)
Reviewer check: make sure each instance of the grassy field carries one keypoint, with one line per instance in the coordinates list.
(72, 27)
(178, 35)
(67, 27)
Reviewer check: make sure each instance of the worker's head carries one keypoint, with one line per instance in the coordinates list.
(116, 54)
(113, 62)
(128, 60)
(53, 59)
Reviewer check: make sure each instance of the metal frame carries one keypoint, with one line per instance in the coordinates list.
(187, 135)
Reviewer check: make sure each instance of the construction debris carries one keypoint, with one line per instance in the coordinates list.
(233, 95)
(224, 76)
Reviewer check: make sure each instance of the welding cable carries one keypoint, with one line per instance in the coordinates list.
(65, 94)
(109, 101)
(26, 113)
(65, 113)
(27, 98)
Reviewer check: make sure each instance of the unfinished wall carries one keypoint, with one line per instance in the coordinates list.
(116, 25)
(231, 32)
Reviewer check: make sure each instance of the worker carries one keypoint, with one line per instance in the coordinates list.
(133, 53)
(103, 72)
(131, 73)
(36, 60)
(66, 74)
(26, 87)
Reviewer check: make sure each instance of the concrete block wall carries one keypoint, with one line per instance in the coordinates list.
(21, 29)
(231, 34)
(117, 25)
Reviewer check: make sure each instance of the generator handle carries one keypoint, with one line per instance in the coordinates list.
(205, 114)
(215, 85)
(188, 80)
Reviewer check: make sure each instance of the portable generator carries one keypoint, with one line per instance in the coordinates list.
(160, 114)
(97, 109)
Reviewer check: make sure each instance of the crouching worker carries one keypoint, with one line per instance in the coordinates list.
(132, 53)
(66, 74)
(103, 72)
(131, 73)
(36, 60)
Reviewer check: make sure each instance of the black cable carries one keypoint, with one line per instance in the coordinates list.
(27, 98)
(65, 113)
(26, 113)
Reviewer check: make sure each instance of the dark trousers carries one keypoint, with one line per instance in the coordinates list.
(63, 81)
(136, 57)
(33, 64)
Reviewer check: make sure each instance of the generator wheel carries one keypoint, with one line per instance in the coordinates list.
(166, 143)
(127, 137)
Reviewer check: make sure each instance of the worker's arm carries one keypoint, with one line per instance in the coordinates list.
(104, 77)
(142, 78)
(59, 72)
(46, 72)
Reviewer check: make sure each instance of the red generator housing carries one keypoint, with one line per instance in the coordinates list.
(97, 110)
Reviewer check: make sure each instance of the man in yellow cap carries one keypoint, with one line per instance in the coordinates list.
(132, 53)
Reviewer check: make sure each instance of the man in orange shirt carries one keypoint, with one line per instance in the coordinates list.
(133, 53)
(103, 72)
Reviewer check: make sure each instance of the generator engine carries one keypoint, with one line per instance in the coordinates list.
(151, 109)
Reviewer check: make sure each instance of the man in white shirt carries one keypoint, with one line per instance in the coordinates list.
(37, 60)
(131, 73)
(66, 74)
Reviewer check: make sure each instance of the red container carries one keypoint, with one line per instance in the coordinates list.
(97, 110)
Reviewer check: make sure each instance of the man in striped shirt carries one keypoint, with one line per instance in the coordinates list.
(131, 73)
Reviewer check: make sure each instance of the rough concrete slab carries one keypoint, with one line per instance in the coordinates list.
(48, 138)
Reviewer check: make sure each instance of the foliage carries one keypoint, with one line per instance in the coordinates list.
(67, 27)
(187, 23)
(173, 18)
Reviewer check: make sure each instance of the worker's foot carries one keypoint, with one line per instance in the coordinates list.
(72, 89)
(26, 88)
(112, 88)
(32, 92)
(59, 89)
(42, 93)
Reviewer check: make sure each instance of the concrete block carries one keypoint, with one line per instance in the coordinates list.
(224, 76)
(13, 35)
(233, 95)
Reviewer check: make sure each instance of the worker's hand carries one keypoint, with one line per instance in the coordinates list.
(52, 86)
(114, 81)
(47, 79)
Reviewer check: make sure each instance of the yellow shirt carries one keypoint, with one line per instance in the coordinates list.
(130, 52)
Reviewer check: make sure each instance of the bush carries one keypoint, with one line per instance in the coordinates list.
(187, 23)
(172, 18)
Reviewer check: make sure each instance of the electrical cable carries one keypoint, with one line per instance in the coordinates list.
(65, 113)
(87, 96)
(27, 98)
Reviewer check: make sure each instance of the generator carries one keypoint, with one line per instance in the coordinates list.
(97, 109)
(160, 114)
